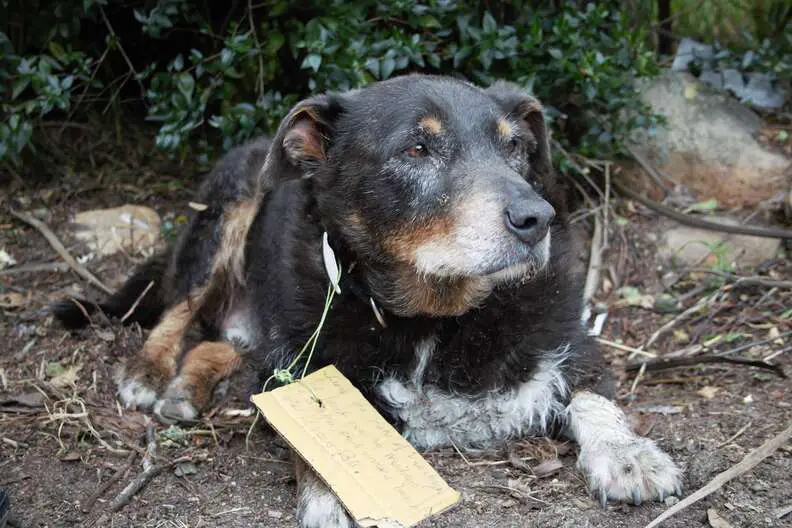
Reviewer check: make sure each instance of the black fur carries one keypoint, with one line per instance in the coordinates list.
(186, 264)
(495, 344)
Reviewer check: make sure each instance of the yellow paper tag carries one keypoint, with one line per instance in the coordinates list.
(377, 475)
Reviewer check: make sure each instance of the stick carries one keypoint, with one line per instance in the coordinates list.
(594, 265)
(35, 268)
(746, 464)
(56, 244)
(625, 348)
(139, 482)
(649, 168)
(102, 489)
(742, 280)
(663, 364)
(137, 301)
(673, 322)
(682, 218)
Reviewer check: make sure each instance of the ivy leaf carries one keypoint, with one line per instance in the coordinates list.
(387, 67)
(186, 85)
(312, 61)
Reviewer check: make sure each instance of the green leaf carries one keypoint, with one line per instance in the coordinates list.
(313, 61)
(708, 205)
(555, 53)
(387, 67)
(489, 25)
(275, 42)
(373, 65)
(18, 86)
(186, 85)
(428, 21)
(57, 51)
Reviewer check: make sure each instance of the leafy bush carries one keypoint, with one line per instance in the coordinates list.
(245, 66)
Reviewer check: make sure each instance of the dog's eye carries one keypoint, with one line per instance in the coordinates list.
(418, 150)
(515, 144)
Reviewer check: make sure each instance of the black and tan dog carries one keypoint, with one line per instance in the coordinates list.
(458, 315)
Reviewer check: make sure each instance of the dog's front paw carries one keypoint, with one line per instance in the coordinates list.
(139, 382)
(322, 511)
(631, 469)
(176, 405)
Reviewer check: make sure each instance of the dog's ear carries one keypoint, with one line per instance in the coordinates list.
(518, 104)
(301, 143)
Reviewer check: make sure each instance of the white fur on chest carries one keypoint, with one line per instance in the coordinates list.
(434, 417)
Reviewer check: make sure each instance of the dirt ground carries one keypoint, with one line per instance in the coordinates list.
(63, 436)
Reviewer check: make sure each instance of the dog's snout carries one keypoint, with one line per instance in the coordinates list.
(528, 216)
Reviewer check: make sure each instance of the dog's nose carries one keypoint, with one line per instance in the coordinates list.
(529, 218)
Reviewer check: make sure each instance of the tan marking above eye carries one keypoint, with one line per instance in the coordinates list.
(430, 124)
(505, 128)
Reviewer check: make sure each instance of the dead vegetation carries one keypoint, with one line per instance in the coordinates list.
(700, 352)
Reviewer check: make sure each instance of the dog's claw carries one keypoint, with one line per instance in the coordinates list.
(603, 498)
(661, 495)
(636, 496)
(678, 491)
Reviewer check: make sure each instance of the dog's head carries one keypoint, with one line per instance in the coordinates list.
(433, 183)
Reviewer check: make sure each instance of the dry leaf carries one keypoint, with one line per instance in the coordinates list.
(6, 260)
(708, 392)
(198, 206)
(548, 467)
(715, 520)
(66, 378)
(12, 300)
(691, 91)
(28, 399)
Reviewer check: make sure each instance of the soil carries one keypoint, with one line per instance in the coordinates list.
(63, 435)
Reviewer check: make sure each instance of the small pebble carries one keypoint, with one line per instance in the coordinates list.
(275, 514)
(670, 501)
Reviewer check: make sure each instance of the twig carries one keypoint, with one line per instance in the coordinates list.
(139, 482)
(736, 435)
(682, 218)
(625, 348)
(123, 53)
(673, 322)
(746, 464)
(594, 266)
(755, 343)
(137, 301)
(648, 167)
(35, 268)
(664, 363)
(743, 280)
(260, 80)
(56, 244)
(151, 446)
(102, 489)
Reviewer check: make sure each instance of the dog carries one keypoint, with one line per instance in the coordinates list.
(459, 314)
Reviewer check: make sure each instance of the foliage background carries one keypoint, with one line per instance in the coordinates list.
(208, 75)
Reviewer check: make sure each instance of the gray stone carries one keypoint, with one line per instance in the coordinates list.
(762, 92)
(691, 247)
(708, 143)
(689, 50)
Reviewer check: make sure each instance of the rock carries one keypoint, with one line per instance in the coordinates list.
(708, 143)
(129, 228)
(689, 50)
(688, 246)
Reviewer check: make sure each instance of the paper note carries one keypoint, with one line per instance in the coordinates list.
(377, 475)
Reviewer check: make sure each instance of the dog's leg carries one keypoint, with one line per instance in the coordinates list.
(202, 368)
(143, 377)
(618, 463)
(317, 506)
